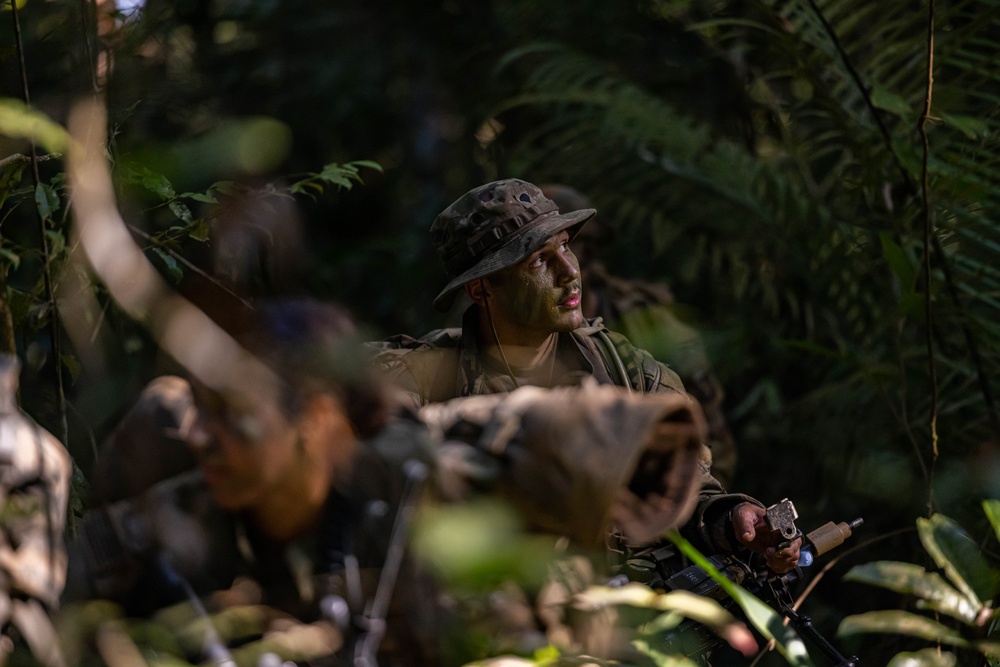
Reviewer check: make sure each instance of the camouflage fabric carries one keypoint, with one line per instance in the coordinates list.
(494, 226)
(34, 490)
(446, 363)
(561, 474)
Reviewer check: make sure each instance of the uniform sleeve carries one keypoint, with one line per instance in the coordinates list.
(148, 445)
(575, 460)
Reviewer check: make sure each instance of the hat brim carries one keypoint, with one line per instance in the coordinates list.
(527, 240)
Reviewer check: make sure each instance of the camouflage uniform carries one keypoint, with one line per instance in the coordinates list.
(34, 489)
(495, 226)
(501, 445)
(447, 363)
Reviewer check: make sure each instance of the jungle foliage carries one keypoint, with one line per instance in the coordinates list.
(821, 206)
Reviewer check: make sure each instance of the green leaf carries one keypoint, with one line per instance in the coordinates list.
(11, 257)
(928, 657)
(46, 200)
(368, 163)
(912, 579)
(891, 102)
(19, 121)
(659, 658)
(173, 268)
(900, 623)
(961, 559)
(200, 230)
(900, 263)
(992, 509)
(72, 364)
(180, 209)
(57, 242)
(157, 184)
(970, 126)
(205, 198)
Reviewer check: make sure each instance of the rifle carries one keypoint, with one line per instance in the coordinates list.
(693, 639)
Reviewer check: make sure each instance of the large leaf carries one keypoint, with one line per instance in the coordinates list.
(928, 657)
(912, 579)
(704, 610)
(992, 509)
(900, 623)
(19, 121)
(959, 556)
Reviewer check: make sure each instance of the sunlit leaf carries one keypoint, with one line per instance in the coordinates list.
(992, 509)
(10, 257)
(959, 556)
(203, 198)
(19, 121)
(901, 623)
(478, 544)
(661, 658)
(180, 209)
(928, 657)
(201, 230)
(914, 580)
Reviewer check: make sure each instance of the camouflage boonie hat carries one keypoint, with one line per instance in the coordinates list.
(495, 226)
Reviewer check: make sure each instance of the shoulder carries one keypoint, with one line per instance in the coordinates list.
(147, 445)
(642, 369)
(417, 365)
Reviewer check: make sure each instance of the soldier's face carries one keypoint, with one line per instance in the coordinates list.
(541, 295)
(245, 446)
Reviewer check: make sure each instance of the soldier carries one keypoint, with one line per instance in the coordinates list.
(303, 486)
(506, 245)
(645, 313)
(34, 488)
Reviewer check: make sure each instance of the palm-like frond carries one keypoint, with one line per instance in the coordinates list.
(812, 232)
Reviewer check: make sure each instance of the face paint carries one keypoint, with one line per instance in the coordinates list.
(541, 295)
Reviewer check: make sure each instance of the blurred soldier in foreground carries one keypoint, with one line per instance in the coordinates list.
(506, 245)
(307, 488)
(34, 489)
(644, 312)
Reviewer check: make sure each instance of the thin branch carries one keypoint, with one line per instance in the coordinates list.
(928, 234)
(180, 258)
(20, 157)
(822, 573)
(46, 250)
(911, 189)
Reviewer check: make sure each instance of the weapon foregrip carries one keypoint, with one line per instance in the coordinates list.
(831, 535)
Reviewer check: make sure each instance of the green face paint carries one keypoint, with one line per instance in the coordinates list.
(541, 295)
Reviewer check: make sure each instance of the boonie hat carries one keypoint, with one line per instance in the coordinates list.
(495, 226)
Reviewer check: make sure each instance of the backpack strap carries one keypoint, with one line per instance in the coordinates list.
(613, 361)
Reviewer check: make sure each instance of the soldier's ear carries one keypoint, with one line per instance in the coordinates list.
(476, 289)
